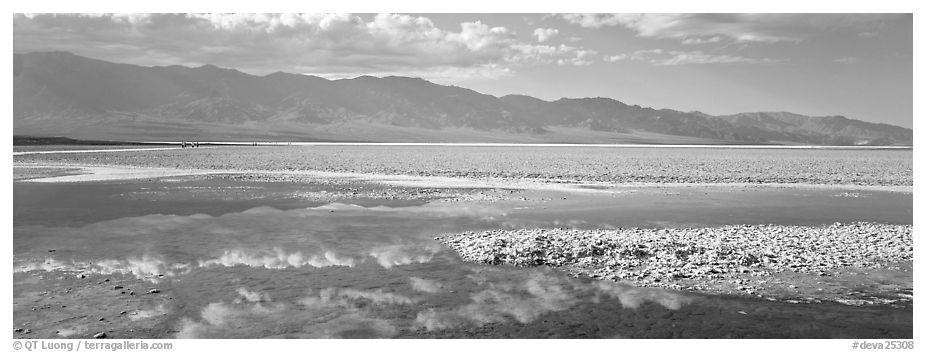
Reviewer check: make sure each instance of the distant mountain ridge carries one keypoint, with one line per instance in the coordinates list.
(58, 93)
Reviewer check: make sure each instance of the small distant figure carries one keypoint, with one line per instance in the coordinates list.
(182, 144)
(195, 144)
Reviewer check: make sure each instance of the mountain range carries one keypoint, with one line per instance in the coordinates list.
(62, 94)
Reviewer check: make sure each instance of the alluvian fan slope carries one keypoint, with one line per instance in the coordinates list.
(62, 94)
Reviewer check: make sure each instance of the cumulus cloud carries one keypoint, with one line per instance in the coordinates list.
(738, 27)
(632, 297)
(261, 237)
(661, 57)
(425, 285)
(147, 267)
(523, 302)
(499, 295)
(701, 40)
(386, 256)
(506, 296)
(404, 254)
(144, 267)
(581, 58)
(544, 34)
(615, 58)
(277, 258)
(332, 313)
(322, 44)
(49, 264)
(349, 295)
(593, 20)
(252, 296)
(222, 320)
(561, 54)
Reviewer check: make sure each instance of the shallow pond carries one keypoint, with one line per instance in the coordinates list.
(218, 258)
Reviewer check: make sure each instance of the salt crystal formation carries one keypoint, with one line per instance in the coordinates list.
(663, 257)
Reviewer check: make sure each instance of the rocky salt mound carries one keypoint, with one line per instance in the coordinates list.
(745, 259)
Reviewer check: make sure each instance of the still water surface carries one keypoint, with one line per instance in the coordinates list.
(252, 260)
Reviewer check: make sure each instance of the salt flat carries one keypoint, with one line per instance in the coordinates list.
(339, 241)
(544, 164)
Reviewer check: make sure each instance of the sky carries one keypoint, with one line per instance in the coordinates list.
(856, 65)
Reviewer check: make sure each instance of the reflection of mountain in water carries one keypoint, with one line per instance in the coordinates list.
(283, 269)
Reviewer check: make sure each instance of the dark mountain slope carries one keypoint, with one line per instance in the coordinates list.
(57, 93)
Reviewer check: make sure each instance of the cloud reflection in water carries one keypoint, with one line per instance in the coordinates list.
(341, 235)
